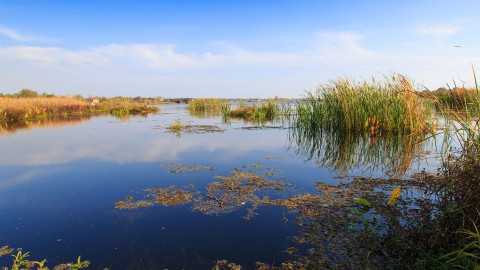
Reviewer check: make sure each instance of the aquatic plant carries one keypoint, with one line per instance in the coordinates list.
(178, 127)
(255, 112)
(458, 98)
(207, 104)
(371, 107)
(452, 196)
(20, 261)
(226, 194)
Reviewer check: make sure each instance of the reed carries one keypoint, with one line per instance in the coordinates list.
(346, 105)
(458, 98)
(207, 104)
(255, 112)
(19, 109)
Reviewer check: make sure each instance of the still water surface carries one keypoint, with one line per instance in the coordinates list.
(59, 184)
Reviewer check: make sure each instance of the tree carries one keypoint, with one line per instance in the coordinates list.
(27, 93)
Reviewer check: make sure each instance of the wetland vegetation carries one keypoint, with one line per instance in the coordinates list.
(390, 106)
(27, 105)
(21, 261)
(397, 220)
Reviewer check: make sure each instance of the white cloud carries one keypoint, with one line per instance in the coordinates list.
(339, 47)
(221, 69)
(439, 30)
(22, 37)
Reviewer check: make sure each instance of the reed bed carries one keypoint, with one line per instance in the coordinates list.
(390, 106)
(20, 109)
(207, 104)
(458, 98)
(255, 112)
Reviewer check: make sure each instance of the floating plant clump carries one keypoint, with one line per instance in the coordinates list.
(226, 194)
(178, 127)
(180, 168)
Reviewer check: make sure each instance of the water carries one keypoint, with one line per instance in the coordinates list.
(59, 184)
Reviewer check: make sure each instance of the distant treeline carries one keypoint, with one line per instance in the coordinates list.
(28, 93)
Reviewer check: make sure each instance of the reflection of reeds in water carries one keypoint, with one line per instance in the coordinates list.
(8, 128)
(342, 151)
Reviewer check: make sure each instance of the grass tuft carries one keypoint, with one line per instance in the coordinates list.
(346, 105)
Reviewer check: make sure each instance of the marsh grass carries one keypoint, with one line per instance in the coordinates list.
(21, 261)
(261, 113)
(374, 107)
(207, 104)
(454, 190)
(20, 109)
(458, 98)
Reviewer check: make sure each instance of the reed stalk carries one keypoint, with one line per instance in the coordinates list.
(375, 107)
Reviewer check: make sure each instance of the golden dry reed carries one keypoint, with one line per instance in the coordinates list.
(20, 109)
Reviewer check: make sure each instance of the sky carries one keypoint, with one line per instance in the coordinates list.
(232, 48)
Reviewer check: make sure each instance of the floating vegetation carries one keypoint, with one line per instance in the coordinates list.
(262, 127)
(273, 157)
(20, 261)
(229, 193)
(178, 127)
(348, 226)
(225, 265)
(180, 168)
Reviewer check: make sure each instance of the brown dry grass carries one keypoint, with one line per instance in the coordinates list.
(19, 109)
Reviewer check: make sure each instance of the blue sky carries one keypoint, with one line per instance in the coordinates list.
(231, 48)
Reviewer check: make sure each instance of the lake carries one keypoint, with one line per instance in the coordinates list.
(59, 181)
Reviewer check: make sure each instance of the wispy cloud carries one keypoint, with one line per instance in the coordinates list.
(22, 37)
(326, 47)
(166, 67)
(439, 30)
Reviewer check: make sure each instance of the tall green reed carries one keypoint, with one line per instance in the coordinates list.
(374, 107)
(207, 104)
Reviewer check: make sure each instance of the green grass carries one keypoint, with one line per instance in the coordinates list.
(268, 111)
(458, 98)
(21, 261)
(207, 104)
(375, 107)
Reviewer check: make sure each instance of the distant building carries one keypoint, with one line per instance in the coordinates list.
(93, 101)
